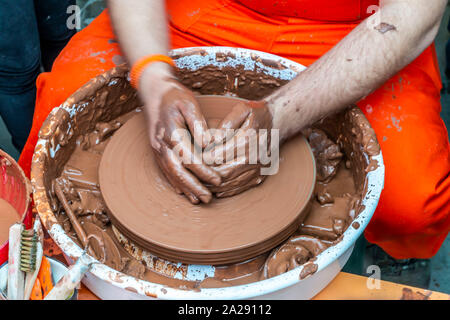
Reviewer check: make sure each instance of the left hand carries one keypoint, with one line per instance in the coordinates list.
(243, 170)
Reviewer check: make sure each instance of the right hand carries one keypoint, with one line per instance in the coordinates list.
(170, 107)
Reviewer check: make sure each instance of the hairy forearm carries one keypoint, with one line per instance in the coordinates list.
(141, 27)
(367, 57)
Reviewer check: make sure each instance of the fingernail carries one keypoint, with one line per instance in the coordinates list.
(206, 198)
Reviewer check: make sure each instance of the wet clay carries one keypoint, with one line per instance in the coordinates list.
(322, 227)
(143, 206)
(408, 294)
(8, 216)
(108, 100)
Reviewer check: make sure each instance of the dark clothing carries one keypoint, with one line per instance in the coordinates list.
(32, 33)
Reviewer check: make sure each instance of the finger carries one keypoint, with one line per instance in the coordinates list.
(154, 127)
(190, 154)
(183, 179)
(231, 184)
(192, 160)
(252, 183)
(237, 146)
(235, 168)
(193, 199)
(172, 127)
(205, 173)
(195, 121)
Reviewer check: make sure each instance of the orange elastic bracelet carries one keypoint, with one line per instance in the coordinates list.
(139, 66)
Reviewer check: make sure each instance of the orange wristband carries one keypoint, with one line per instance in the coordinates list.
(139, 66)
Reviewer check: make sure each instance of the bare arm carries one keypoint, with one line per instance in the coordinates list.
(367, 57)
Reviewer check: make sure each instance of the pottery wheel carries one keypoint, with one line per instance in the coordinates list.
(144, 207)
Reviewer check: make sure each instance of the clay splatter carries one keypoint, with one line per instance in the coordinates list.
(396, 123)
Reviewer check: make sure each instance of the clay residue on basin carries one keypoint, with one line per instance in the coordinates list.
(344, 146)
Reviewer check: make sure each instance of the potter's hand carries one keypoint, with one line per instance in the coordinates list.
(247, 146)
(173, 112)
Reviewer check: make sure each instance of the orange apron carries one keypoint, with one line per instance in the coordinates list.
(412, 218)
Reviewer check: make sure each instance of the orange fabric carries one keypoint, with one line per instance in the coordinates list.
(140, 65)
(324, 10)
(412, 218)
